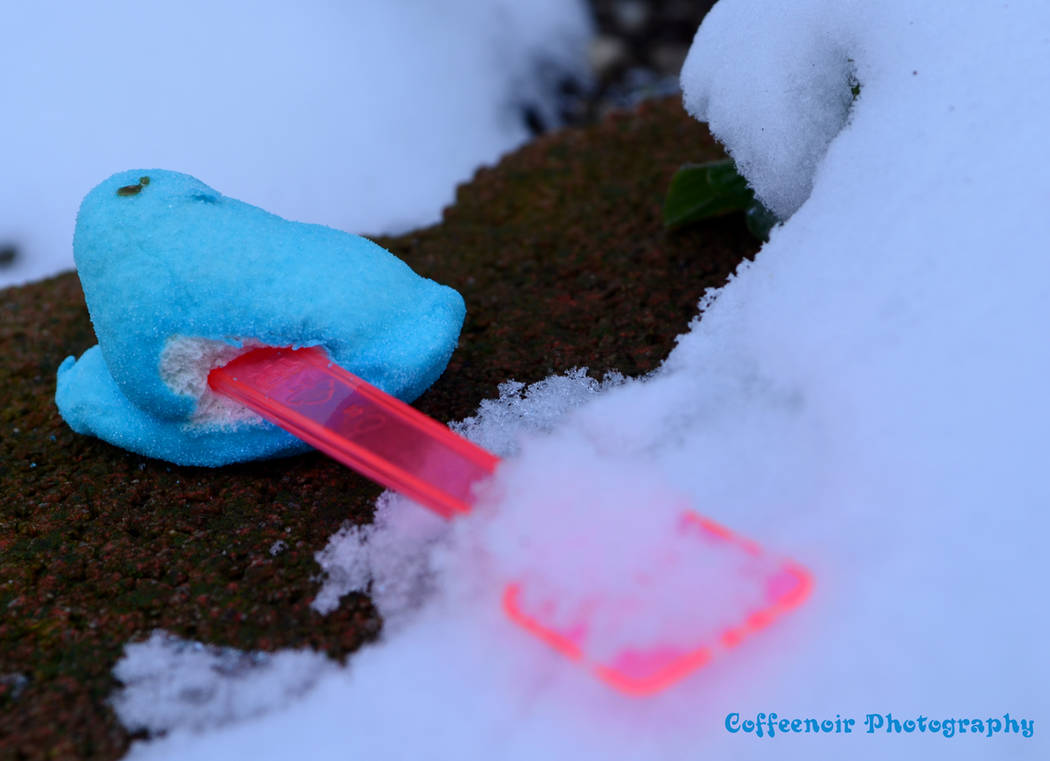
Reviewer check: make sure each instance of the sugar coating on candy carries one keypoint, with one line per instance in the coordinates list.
(180, 279)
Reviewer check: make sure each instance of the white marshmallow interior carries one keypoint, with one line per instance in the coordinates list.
(185, 362)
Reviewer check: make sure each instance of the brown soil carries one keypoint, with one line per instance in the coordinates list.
(561, 257)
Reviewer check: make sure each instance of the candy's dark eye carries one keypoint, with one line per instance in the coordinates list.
(133, 190)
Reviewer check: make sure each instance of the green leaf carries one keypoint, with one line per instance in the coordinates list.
(760, 220)
(699, 191)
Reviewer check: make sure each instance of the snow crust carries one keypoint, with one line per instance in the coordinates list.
(868, 397)
(362, 116)
(176, 684)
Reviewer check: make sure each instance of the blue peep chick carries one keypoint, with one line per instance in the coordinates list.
(179, 279)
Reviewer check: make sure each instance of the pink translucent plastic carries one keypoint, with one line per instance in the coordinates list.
(349, 419)
(644, 671)
(306, 394)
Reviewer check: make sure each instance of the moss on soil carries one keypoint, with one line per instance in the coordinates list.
(561, 257)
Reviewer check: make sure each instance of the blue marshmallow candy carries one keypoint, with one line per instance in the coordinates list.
(179, 278)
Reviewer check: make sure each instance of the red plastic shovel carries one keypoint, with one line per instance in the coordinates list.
(383, 438)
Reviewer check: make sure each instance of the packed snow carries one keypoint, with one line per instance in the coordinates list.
(868, 398)
(362, 116)
(173, 683)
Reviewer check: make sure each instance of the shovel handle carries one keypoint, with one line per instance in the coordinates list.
(347, 418)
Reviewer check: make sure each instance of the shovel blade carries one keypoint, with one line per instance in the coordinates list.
(645, 669)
